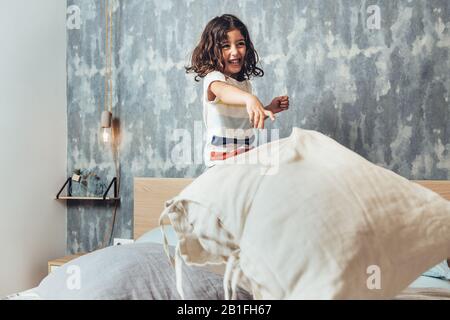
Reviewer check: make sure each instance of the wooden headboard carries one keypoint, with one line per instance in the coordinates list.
(150, 194)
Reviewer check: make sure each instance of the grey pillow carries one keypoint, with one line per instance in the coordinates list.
(133, 271)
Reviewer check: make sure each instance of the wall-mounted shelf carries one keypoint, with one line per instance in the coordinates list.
(86, 198)
(103, 198)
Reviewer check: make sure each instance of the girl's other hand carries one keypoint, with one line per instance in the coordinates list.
(256, 112)
(279, 104)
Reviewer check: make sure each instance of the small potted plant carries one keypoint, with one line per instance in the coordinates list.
(87, 183)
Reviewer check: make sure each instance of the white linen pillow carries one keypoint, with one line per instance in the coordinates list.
(316, 229)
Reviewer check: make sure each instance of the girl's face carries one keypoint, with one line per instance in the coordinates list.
(233, 52)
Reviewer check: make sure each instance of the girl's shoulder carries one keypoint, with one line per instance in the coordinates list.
(213, 76)
(219, 76)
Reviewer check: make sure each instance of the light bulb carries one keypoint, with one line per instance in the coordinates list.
(106, 121)
(106, 135)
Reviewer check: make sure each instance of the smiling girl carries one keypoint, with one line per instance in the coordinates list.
(226, 59)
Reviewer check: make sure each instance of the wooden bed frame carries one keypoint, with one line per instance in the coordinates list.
(150, 194)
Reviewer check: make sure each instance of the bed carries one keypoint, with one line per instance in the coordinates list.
(150, 195)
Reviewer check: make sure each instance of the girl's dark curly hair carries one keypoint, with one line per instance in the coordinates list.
(207, 56)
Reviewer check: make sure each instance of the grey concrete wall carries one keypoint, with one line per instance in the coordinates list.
(381, 92)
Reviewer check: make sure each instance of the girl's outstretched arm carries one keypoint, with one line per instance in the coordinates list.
(235, 96)
(228, 94)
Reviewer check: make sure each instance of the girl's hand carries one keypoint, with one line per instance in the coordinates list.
(257, 113)
(279, 104)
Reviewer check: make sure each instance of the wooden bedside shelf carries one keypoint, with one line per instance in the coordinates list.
(86, 198)
(102, 198)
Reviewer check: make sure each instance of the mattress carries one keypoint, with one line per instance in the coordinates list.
(30, 294)
(424, 288)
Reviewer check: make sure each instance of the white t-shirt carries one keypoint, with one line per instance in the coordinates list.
(228, 129)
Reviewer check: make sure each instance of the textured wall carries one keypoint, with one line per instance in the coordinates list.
(381, 92)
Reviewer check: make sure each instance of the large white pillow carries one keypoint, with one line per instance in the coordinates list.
(324, 223)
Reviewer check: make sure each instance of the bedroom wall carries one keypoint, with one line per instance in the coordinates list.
(33, 140)
(379, 89)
